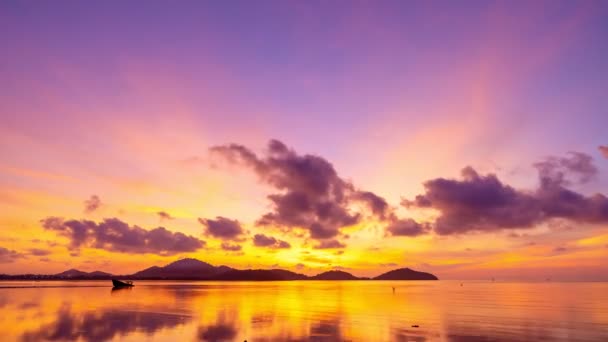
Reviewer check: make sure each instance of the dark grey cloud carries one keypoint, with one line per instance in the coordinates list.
(92, 204)
(483, 203)
(311, 195)
(9, 255)
(115, 235)
(163, 215)
(222, 228)
(407, 227)
(231, 247)
(262, 240)
(329, 244)
(603, 150)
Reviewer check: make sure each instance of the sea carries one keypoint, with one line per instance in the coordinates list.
(304, 311)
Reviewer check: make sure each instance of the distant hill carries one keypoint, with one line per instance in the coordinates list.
(405, 274)
(182, 269)
(193, 269)
(74, 273)
(334, 275)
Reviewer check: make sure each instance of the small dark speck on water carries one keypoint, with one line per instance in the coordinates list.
(415, 326)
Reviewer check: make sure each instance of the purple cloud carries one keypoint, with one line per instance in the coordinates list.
(39, 252)
(329, 244)
(262, 240)
(555, 170)
(115, 235)
(377, 204)
(407, 227)
(310, 195)
(8, 256)
(477, 203)
(484, 203)
(222, 228)
(163, 215)
(92, 204)
(231, 247)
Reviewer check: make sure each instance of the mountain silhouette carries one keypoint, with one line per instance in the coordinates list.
(74, 273)
(193, 269)
(334, 275)
(182, 269)
(405, 274)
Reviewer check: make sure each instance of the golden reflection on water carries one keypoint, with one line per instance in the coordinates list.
(304, 311)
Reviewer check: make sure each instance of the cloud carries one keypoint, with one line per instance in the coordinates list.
(39, 252)
(377, 204)
(231, 247)
(603, 150)
(92, 204)
(477, 203)
(163, 215)
(222, 228)
(310, 194)
(484, 203)
(262, 240)
(329, 244)
(555, 170)
(115, 235)
(407, 227)
(8, 256)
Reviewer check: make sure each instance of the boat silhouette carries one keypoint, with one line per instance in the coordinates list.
(120, 283)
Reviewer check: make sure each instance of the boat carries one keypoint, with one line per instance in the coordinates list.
(120, 283)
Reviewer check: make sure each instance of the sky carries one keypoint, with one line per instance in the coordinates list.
(464, 139)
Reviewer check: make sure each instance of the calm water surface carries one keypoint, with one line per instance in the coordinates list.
(304, 311)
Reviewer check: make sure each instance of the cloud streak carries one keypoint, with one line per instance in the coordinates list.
(231, 247)
(330, 244)
(163, 215)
